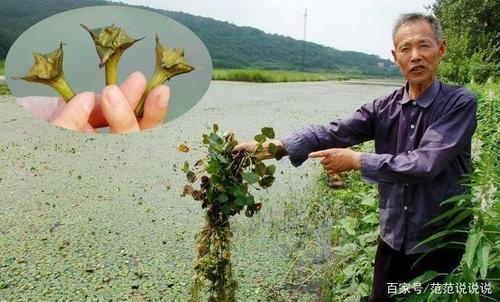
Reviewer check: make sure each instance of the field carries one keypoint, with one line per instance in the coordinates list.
(274, 76)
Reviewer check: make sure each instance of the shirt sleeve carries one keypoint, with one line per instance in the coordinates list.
(338, 134)
(440, 143)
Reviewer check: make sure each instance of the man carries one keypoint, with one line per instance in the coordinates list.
(422, 135)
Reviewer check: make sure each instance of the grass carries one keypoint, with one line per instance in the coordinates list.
(274, 76)
(2, 67)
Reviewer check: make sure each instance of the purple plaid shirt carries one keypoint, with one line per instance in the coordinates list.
(422, 148)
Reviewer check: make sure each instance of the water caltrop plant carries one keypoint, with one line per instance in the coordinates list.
(224, 179)
(169, 63)
(48, 69)
(110, 43)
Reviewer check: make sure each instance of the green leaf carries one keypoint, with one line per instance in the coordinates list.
(459, 218)
(456, 198)
(272, 148)
(185, 167)
(445, 215)
(222, 198)
(483, 259)
(240, 201)
(260, 169)
(270, 170)
(369, 201)
(205, 139)
(471, 246)
(371, 218)
(348, 224)
(436, 236)
(268, 132)
(250, 200)
(220, 187)
(266, 182)
(215, 140)
(250, 177)
(425, 277)
(215, 127)
(260, 138)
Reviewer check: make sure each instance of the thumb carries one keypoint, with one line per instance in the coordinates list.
(75, 115)
(316, 154)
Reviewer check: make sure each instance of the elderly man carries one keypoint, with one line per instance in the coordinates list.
(422, 134)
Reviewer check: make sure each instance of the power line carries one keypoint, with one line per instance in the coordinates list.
(304, 42)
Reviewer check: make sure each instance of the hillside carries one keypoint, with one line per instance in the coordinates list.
(230, 46)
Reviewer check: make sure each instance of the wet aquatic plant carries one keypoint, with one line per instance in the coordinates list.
(169, 63)
(48, 69)
(224, 180)
(110, 43)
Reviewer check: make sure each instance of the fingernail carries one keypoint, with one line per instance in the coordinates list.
(134, 74)
(114, 96)
(162, 99)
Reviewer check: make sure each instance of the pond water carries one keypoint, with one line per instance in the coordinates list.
(101, 216)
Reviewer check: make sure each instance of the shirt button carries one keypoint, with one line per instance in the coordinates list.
(412, 126)
(414, 103)
(405, 207)
(408, 152)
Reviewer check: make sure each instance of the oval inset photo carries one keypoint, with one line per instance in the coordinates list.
(114, 69)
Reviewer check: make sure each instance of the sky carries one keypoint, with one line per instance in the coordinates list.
(358, 25)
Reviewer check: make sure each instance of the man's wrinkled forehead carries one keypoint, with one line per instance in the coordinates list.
(414, 32)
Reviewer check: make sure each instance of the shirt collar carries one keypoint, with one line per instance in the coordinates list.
(426, 98)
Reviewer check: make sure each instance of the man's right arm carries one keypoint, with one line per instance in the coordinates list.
(338, 134)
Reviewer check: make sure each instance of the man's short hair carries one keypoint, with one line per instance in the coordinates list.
(411, 18)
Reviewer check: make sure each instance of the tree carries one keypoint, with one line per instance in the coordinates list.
(472, 29)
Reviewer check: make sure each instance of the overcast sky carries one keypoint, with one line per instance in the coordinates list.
(360, 25)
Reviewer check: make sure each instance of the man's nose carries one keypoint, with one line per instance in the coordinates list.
(415, 55)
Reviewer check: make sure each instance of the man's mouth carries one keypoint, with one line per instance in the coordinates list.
(418, 68)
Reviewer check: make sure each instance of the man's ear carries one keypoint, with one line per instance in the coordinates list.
(442, 48)
(394, 56)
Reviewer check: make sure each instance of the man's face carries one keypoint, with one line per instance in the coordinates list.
(417, 52)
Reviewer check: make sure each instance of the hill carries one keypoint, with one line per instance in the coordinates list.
(230, 46)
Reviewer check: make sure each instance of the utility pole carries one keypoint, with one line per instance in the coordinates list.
(304, 42)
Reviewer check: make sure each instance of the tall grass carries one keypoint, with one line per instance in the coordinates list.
(2, 67)
(274, 76)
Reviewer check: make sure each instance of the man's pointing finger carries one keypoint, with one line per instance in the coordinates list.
(318, 154)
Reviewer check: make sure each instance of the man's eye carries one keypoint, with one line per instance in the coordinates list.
(404, 49)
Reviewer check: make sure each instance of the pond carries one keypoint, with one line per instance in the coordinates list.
(101, 216)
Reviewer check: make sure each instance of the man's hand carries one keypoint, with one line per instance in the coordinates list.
(118, 104)
(75, 114)
(338, 160)
(114, 108)
(264, 154)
